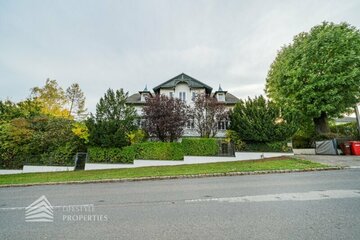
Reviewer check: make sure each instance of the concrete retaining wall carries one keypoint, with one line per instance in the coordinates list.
(29, 168)
(304, 151)
(137, 163)
(259, 155)
(148, 163)
(239, 156)
(209, 159)
(34, 169)
(4, 172)
(98, 166)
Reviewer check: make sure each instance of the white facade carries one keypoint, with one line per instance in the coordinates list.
(185, 88)
(183, 92)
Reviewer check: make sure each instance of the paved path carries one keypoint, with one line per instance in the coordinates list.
(312, 205)
(337, 160)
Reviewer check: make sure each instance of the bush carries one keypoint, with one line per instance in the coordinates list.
(126, 155)
(233, 137)
(62, 156)
(146, 150)
(267, 147)
(40, 141)
(346, 130)
(325, 136)
(11, 163)
(279, 146)
(302, 142)
(136, 136)
(111, 155)
(200, 146)
(260, 120)
(159, 151)
(155, 151)
(307, 139)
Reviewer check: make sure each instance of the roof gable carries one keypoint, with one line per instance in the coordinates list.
(192, 82)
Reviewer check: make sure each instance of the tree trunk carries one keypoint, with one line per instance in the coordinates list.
(321, 124)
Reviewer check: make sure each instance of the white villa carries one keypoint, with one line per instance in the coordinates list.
(185, 88)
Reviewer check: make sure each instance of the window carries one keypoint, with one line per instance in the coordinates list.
(221, 97)
(182, 96)
(144, 96)
(190, 124)
(222, 125)
(171, 94)
(193, 96)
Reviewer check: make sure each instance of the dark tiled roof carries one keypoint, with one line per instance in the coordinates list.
(134, 99)
(231, 99)
(192, 82)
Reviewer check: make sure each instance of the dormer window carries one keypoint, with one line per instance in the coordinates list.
(144, 96)
(220, 94)
(221, 97)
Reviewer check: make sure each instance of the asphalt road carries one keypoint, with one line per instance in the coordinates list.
(312, 205)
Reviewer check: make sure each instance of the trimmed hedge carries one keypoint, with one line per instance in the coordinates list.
(155, 151)
(267, 147)
(111, 155)
(159, 151)
(200, 146)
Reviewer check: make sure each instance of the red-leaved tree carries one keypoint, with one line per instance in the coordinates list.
(165, 117)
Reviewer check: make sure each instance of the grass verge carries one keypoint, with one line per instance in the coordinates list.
(193, 169)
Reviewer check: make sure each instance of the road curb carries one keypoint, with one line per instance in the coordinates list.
(175, 177)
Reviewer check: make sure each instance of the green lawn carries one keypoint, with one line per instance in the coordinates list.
(225, 167)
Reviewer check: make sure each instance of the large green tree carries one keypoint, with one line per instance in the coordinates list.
(317, 76)
(114, 119)
(259, 120)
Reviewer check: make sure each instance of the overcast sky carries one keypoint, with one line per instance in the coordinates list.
(128, 44)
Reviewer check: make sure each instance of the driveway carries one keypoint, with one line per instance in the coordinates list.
(333, 160)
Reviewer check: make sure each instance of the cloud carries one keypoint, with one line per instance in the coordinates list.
(127, 44)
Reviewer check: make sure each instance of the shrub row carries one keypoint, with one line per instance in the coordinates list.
(266, 147)
(346, 130)
(302, 142)
(111, 155)
(200, 146)
(343, 132)
(159, 151)
(154, 151)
